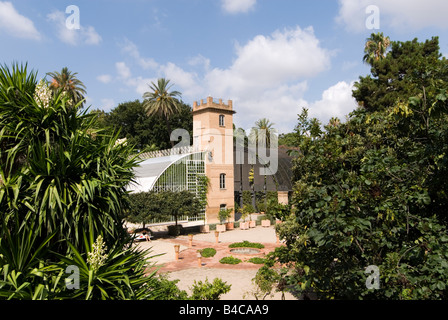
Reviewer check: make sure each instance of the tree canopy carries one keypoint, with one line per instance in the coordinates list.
(372, 191)
(146, 132)
(162, 102)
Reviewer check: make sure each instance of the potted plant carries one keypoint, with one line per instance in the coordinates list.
(224, 215)
(247, 210)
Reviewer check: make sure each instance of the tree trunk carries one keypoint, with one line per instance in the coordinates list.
(168, 125)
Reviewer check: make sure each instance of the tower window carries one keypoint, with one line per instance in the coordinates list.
(222, 181)
(221, 120)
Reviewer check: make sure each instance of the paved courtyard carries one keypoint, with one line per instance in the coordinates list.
(187, 268)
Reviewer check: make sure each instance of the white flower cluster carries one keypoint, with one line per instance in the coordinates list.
(120, 141)
(97, 256)
(69, 101)
(43, 93)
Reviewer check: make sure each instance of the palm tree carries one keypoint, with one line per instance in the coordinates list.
(262, 132)
(376, 47)
(66, 81)
(162, 102)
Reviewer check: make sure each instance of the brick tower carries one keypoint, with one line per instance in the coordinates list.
(213, 134)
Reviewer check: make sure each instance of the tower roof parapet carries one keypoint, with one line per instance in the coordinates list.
(210, 102)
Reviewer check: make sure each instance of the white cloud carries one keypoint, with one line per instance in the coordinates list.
(279, 104)
(140, 84)
(188, 81)
(237, 6)
(123, 70)
(201, 61)
(267, 78)
(16, 24)
(104, 78)
(90, 35)
(402, 15)
(337, 101)
(84, 35)
(130, 48)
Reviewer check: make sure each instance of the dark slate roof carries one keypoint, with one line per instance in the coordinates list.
(281, 178)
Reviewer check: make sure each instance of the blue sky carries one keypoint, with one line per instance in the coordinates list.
(270, 57)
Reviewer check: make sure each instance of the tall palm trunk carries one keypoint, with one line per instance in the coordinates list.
(168, 125)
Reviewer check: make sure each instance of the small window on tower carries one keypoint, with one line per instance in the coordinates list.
(222, 181)
(221, 120)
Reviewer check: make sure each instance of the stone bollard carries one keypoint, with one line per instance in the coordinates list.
(217, 236)
(176, 251)
(190, 240)
(199, 259)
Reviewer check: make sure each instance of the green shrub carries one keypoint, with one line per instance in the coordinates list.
(257, 260)
(230, 260)
(209, 291)
(208, 252)
(246, 244)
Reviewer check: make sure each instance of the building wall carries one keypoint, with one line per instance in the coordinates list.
(217, 141)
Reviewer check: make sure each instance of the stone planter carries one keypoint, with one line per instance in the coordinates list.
(230, 226)
(244, 225)
(221, 227)
(205, 228)
(252, 224)
(266, 223)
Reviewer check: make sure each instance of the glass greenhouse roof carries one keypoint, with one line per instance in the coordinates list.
(147, 173)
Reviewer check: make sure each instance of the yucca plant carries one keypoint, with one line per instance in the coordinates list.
(56, 166)
(117, 273)
(24, 270)
(60, 179)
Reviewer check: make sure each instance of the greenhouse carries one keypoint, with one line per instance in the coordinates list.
(175, 172)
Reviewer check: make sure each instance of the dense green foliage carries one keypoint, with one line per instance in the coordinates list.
(209, 291)
(257, 260)
(146, 132)
(246, 244)
(147, 206)
(57, 172)
(208, 252)
(144, 207)
(372, 191)
(408, 68)
(230, 260)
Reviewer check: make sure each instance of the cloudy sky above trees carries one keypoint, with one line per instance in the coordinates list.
(270, 57)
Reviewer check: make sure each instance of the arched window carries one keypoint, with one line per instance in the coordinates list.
(221, 120)
(222, 181)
